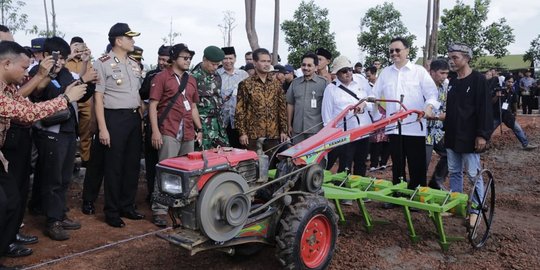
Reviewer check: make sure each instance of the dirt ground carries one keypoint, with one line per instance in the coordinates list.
(514, 244)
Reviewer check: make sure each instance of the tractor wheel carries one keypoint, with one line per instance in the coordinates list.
(222, 207)
(307, 235)
(480, 232)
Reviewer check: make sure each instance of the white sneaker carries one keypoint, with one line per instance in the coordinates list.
(372, 169)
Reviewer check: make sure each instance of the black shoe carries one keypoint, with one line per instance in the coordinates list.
(434, 184)
(36, 211)
(56, 232)
(16, 250)
(159, 221)
(88, 208)
(69, 224)
(3, 267)
(115, 222)
(25, 239)
(134, 215)
(388, 206)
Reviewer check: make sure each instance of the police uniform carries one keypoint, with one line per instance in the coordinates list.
(120, 83)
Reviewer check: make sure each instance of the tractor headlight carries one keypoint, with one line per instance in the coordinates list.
(171, 183)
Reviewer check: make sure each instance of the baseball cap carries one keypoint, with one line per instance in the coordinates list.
(122, 29)
(36, 44)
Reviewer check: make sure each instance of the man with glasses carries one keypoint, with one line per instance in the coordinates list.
(174, 134)
(210, 100)
(411, 82)
(468, 122)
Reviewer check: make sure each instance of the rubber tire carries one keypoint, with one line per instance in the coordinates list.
(479, 239)
(292, 226)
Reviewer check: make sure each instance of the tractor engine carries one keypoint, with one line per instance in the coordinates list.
(206, 191)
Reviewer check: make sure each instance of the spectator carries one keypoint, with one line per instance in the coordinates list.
(525, 86)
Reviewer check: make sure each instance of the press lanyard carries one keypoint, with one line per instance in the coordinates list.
(186, 102)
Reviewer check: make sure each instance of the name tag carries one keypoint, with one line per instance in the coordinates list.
(505, 106)
(313, 103)
(186, 105)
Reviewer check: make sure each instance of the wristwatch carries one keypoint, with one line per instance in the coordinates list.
(197, 130)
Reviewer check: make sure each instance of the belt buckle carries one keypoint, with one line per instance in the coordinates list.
(134, 110)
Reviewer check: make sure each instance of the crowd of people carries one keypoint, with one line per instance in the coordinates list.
(52, 95)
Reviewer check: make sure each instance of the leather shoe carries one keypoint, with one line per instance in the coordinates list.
(16, 250)
(24, 239)
(3, 267)
(159, 220)
(134, 215)
(115, 222)
(69, 224)
(88, 208)
(56, 231)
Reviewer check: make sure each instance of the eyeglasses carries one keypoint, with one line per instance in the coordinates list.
(345, 70)
(186, 58)
(394, 50)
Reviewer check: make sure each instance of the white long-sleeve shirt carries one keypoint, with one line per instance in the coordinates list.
(418, 88)
(335, 100)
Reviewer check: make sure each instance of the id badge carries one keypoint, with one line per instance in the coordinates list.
(505, 106)
(313, 103)
(186, 105)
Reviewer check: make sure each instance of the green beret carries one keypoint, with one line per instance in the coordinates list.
(214, 54)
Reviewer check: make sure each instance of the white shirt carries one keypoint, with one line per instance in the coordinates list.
(418, 88)
(335, 100)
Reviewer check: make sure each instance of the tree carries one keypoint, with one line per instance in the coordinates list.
(229, 23)
(464, 24)
(383, 22)
(169, 39)
(35, 30)
(275, 45)
(250, 24)
(533, 54)
(11, 15)
(432, 31)
(308, 30)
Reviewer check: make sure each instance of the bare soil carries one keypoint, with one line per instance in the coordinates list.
(514, 243)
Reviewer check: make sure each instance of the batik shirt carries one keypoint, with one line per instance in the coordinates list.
(435, 132)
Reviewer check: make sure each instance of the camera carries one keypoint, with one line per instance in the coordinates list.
(54, 55)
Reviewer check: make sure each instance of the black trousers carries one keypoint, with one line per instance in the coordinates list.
(122, 160)
(408, 150)
(94, 171)
(10, 204)
(379, 152)
(19, 162)
(356, 152)
(55, 165)
(234, 137)
(527, 104)
(150, 159)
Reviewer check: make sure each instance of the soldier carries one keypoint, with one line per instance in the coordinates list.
(118, 114)
(210, 101)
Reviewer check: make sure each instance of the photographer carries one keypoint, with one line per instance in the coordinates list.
(502, 99)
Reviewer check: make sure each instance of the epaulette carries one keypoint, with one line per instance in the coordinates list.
(133, 59)
(104, 58)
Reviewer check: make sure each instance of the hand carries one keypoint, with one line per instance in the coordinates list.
(290, 131)
(90, 76)
(428, 112)
(479, 145)
(360, 107)
(85, 55)
(284, 137)
(198, 137)
(45, 66)
(104, 137)
(157, 140)
(75, 91)
(244, 140)
(442, 116)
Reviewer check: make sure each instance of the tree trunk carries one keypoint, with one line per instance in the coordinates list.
(435, 30)
(250, 24)
(276, 34)
(46, 16)
(53, 19)
(428, 30)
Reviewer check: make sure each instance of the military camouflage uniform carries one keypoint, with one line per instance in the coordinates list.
(210, 102)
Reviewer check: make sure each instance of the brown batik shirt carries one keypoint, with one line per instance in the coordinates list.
(261, 108)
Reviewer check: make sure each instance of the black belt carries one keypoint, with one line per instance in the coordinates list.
(133, 110)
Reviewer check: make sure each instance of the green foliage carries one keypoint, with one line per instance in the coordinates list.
(463, 23)
(533, 54)
(308, 30)
(35, 31)
(383, 23)
(484, 64)
(11, 15)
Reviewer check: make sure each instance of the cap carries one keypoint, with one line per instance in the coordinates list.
(214, 54)
(163, 50)
(289, 68)
(249, 66)
(175, 51)
(122, 29)
(228, 50)
(137, 53)
(36, 44)
(280, 69)
(324, 52)
(339, 63)
(461, 47)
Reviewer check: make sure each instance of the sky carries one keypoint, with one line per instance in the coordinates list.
(197, 22)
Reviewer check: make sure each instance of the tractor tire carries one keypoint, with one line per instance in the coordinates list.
(307, 234)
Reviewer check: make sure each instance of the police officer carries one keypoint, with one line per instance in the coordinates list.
(210, 100)
(118, 114)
